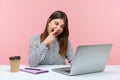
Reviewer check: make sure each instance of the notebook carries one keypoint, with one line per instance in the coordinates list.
(88, 59)
(34, 70)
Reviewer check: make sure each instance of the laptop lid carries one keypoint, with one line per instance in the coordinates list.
(90, 58)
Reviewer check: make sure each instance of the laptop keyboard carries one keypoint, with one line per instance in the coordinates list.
(68, 71)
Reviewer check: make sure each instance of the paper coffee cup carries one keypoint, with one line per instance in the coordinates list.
(14, 63)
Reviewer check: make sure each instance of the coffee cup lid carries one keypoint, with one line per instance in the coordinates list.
(14, 57)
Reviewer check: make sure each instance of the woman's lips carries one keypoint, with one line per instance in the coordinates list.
(56, 33)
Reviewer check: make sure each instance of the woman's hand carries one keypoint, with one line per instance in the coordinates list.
(51, 37)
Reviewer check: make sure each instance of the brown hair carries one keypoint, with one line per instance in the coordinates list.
(63, 37)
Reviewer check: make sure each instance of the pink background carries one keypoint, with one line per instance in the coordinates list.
(90, 22)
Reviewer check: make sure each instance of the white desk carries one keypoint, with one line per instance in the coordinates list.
(112, 72)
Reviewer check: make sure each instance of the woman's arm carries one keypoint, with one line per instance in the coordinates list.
(37, 51)
(70, 53)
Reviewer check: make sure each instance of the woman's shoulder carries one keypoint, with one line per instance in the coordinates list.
(69, 42)
(35, 38)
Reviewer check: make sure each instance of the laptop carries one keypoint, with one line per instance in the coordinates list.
(88, 59)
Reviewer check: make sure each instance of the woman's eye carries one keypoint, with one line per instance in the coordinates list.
(56, 23)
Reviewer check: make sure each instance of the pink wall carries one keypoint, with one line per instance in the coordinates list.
(90, 22)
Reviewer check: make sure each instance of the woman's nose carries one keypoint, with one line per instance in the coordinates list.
(58, 27)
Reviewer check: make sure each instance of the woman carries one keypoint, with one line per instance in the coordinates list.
(52, 46)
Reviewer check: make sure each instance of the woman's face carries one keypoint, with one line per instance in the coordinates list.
(56, 25)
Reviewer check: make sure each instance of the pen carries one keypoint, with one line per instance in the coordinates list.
(33, 69)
